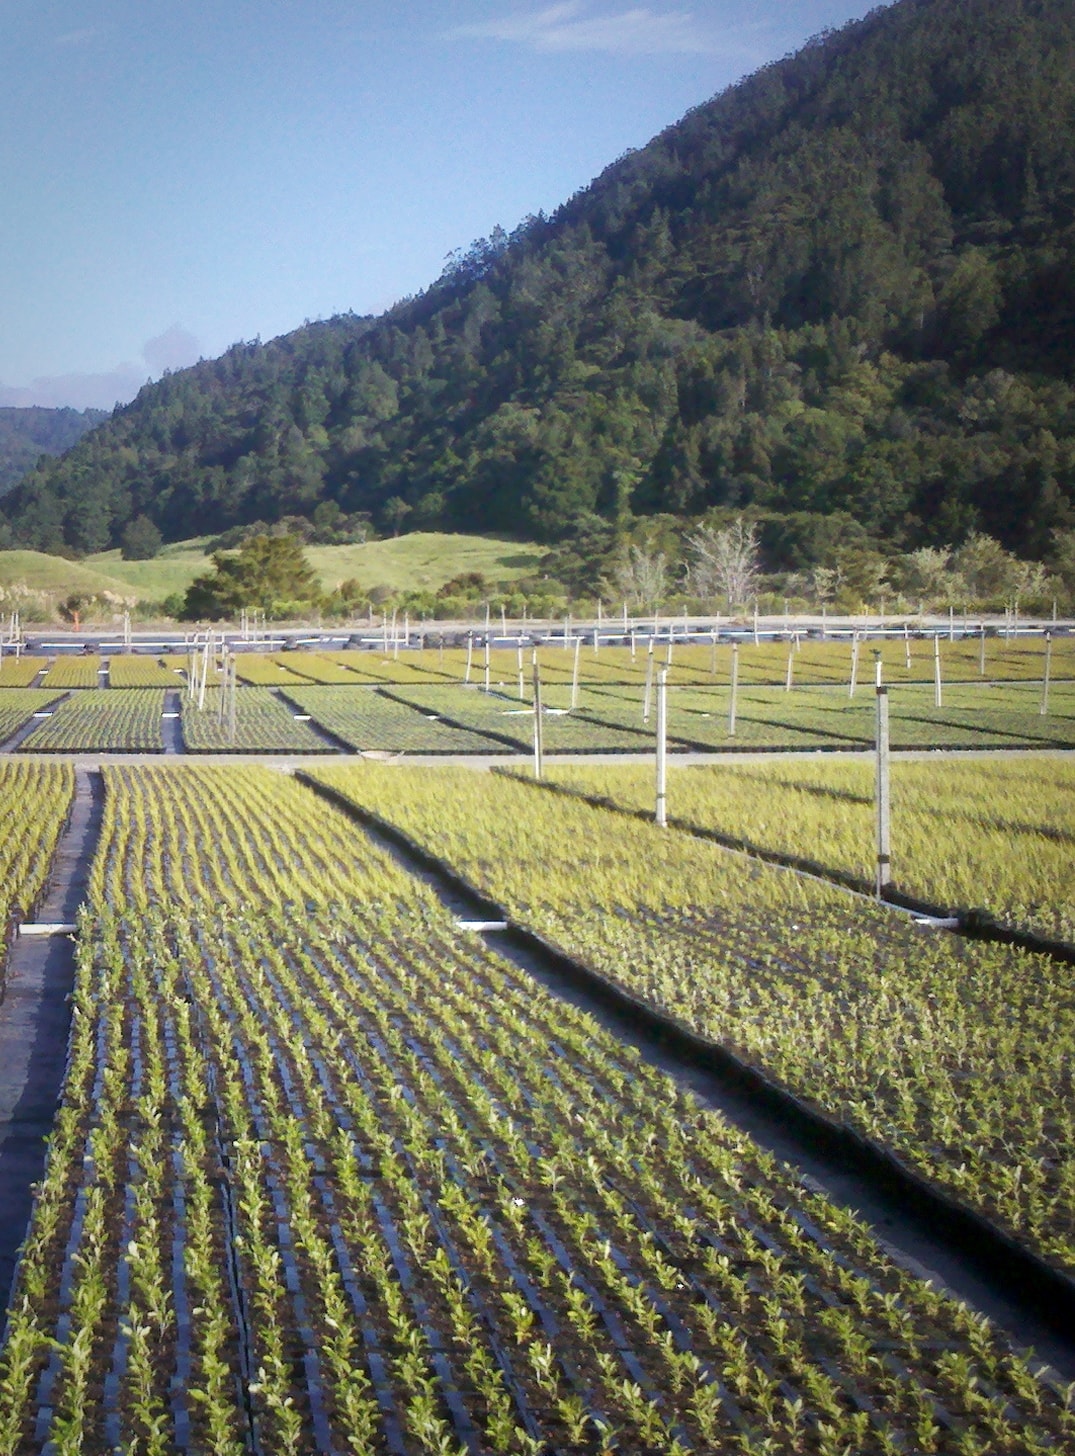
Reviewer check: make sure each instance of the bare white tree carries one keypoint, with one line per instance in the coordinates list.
(725, 563)
(826, 581)
(642, 577)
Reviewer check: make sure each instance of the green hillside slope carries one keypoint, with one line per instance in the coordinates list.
(28, 433)
(841, 295)
(422, 561)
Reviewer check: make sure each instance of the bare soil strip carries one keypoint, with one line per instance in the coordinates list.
(35, 1019)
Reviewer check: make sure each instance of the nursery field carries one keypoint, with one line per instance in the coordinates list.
(76, 672)
(955, 1054)
(109, 720)
(264, 723)
(36, 799)
(432, 717)
(17, 707)
(452, 699)
(815, 663)
(371, 720)
(263, 669)
(125, 670)
(329, 1175)
(19, 672)
(354, 666)
(996, 833)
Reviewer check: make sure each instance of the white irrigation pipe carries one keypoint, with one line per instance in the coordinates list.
(882, 794)
(1045, 674)
(662, 748)
(735, 689)
(538, 738)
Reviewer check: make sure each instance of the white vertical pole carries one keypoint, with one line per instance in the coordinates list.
(503, 619)
(951, 624)
(937, 670)
(981, 650)
(575, 673)
(878, 668)
(649, 683)
(632, 644)
(232, 703)
(854, 664)
(470, 658)
(735, 689)
(791, 658)
(662, 747)
(907, 646)
(538, 728)
(1045, 674)
(520, 666)
(884, 847)
(755, 621)
(487, 662)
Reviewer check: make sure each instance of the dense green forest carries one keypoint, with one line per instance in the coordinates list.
(839, 297)
(28, 433)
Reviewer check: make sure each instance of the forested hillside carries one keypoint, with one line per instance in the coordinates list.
(26, 434)
(841, 292)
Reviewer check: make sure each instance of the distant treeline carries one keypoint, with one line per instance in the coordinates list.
(27, 434)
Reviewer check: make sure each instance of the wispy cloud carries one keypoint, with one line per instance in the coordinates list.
(174, 349)
(77, 37)
(572, 26)
(77, 391)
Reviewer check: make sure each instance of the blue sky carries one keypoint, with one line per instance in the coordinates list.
(176, 175)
